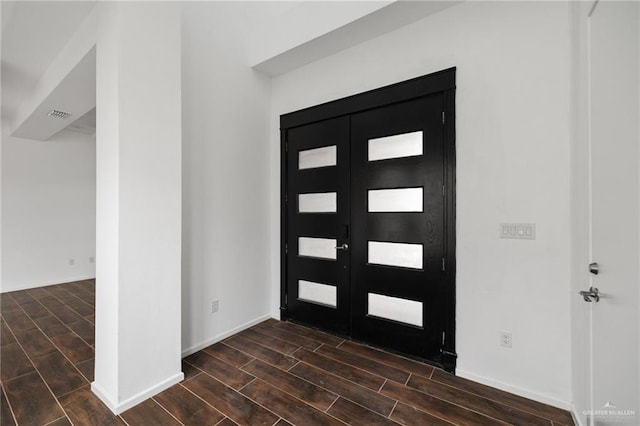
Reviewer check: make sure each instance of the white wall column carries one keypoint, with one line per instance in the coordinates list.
(138, 254)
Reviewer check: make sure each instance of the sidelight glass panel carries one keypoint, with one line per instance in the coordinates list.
(317, 202)
(396, 254)
(395, 309)
(324, 248)
(322, 294)
(318, 157)
(395, 200)
(396, 146)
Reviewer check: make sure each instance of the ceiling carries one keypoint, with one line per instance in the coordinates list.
(33, 33)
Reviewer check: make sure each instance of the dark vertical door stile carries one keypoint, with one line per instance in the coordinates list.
(407, 281)
(318, 222)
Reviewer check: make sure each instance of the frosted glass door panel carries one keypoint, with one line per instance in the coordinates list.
(322, 294)
(324, 248)
(396, 254)
(395, 200)
(396, 146)
(318, 157)
(395, 309)
(317, 202)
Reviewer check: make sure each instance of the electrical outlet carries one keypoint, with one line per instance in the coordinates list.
(92, 259)
(506, 339)
(215, 304)
(72, 262)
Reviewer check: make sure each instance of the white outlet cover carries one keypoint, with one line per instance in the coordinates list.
(518, 231)
(506, 339)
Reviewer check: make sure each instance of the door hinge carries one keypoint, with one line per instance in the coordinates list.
(286, 198)
(442, 117)
(443, 264)
(443, 190)
(286, 248)
(286, 146)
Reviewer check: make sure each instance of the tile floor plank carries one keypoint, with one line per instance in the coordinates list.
(87, 368)
(85, 330)
(6, 336)
(229, 354)
(63, 421)
(73, 347)
(354, 414)
(189, 370)
(338, 368)
(13, 362)
(226, 373)
(59, 373)
(237, 407)
(286, 406)
(260, 352)
(18, 321)
(363, 363)
(31, 401)
(345, 388)
(393, 360)
(301, 389)
(84, 408)
(6, 418)
(51, 326)
(148, 413)
(269, 341)
(35, 309)
(309, 333)
(407, 415)
(281, 333)
(35, 343)
(188, 408)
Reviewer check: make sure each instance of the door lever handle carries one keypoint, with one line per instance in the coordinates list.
(342, 247)
(590, 294)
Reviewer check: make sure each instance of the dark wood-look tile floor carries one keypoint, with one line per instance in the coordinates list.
(275, 373)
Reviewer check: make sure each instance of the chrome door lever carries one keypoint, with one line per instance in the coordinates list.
(592, 293)
(342, 247)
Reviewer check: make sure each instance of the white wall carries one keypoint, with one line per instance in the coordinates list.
(48, 210)
(225, 175)
(513, 64)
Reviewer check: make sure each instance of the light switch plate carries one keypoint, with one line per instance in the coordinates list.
(518, 231)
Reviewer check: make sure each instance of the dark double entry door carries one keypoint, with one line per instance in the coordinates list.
(365, 225)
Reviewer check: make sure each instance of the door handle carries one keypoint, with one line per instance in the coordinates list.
(342, 247)
(590, 294)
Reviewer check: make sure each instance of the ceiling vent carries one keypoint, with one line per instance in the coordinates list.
(61, 115)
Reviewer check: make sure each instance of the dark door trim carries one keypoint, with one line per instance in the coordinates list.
(441, 81)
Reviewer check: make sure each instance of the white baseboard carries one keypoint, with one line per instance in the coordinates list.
(222, 336)
(545, 399)
(46, 283)
(123, 406)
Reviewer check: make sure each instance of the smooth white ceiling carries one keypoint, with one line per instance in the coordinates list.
(33, 33)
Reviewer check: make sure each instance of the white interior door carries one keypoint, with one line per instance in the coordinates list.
(614, 97)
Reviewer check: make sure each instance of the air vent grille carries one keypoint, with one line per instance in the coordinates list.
(61, 115)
